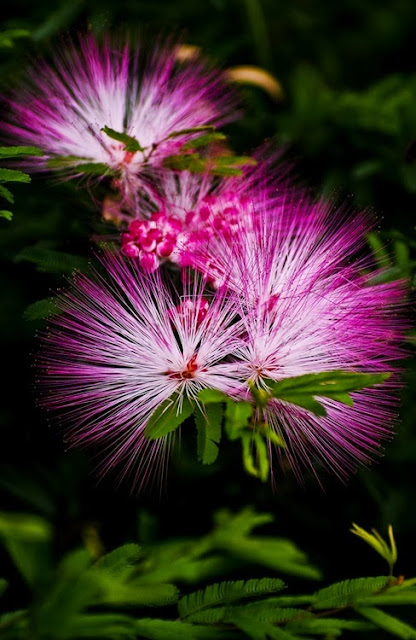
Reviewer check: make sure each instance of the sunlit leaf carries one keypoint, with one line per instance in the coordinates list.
(130, 143)
(208, 426)
(168, 417)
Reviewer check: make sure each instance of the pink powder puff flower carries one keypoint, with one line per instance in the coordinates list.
(167, 238)
(192, 209)
(152, 241)
(308, 305)
(148, 95)
(122, 347)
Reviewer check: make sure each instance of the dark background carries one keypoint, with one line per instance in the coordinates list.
(348, 120)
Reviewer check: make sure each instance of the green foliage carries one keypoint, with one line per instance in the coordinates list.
(208, 425)
(12, 175)
(81, 597)
(278, 554)
(41, 309)
(243, 418)
(82, 166)
(51, 261)
(387, 622)
(225, 592)
(168, 417)
(9, 175)
(8, 37)
(343, 594)
(18, 152)
(336, 385)
(226, 165)
(175, 630)
(27, 539)
(130, 143)
(204, 140)
(374, 539)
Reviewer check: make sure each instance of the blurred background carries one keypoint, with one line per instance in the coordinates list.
(341, 98)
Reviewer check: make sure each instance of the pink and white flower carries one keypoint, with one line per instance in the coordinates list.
(148, 95)
(124, 346)
(308, 305)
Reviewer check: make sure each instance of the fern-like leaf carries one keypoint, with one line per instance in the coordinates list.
(154, 629)
(225, 592)
(345, 593)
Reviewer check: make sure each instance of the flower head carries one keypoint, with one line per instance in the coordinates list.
(149, 96)
(124, 346)
(308, 305)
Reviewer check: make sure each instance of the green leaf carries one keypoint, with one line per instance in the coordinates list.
(235, 161)
(392, 596)
(279, 554)
(260, 630)
(102, 625)
(208, 396)
(130, 143)
(166, 418)
(208, 616)
(290, 601)
(375, 540)
(122, 559)
(208, 426)
(237, 417)
(117, 591)
(331, 627)
(51, 261)
(121, 584)
(6, 214)
(183, 132)
(16, 152)
(215, 170)
(264, 611)
(27, 539)
(387, 622)
(345, 593)
(236, 525)
(94, 168)
(11, 175)
(14, 622)
(8, 36)
(7, 195)
(255, 458)
(41, 309)
(230, 165)
(275, 553)
(336, 385)
(183, 560)
(24, 527)
(226, 592)
(79, 164)
(270, 434)
(176, 630)
(188, 162)
(204, 140)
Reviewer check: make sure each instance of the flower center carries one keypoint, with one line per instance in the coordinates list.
(187, 373)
